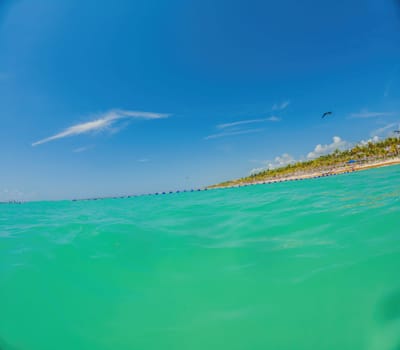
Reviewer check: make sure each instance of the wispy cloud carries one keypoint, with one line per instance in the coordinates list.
(368, 114)
(281, 106)
(388, 87)
(249, 121)
(143, 160)
(385, 130)
(232, 133)
(102, 123)
(389, 83)
(321, 150)
(82, 149)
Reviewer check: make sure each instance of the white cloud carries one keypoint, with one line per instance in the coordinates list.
(232, 133)
(278, 162)
(249, 121)
(257, 170)
(321, 150)
(367, 114)
(280, 106)
(373, 139)
(105, 121)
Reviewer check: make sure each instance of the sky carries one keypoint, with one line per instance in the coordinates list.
(101, 98)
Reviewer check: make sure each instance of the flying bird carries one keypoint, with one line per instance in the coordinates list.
(326, 114)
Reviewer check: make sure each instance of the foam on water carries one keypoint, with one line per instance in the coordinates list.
(299, 265)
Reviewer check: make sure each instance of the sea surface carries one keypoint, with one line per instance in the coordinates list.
(311, 264)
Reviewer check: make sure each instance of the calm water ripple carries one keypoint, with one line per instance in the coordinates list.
(300, 265)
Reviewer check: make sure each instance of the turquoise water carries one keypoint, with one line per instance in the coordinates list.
(301, 265)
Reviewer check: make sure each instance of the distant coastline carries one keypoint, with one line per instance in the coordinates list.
(360, 157)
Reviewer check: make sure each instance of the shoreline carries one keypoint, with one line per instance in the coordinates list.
(346, 169)
(317, 174)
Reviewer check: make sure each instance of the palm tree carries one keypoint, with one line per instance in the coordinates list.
(368, 152)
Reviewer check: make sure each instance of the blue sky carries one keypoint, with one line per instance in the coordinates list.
(103, 98)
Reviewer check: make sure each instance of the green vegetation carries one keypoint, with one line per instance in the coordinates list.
(362, 154)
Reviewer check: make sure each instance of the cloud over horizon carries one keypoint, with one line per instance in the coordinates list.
(321, 150)
(104, 121)
(373, 139)
(279, 161)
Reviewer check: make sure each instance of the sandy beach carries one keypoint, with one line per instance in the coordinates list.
(348, 168)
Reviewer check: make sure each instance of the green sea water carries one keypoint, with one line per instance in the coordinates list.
(309, 264)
